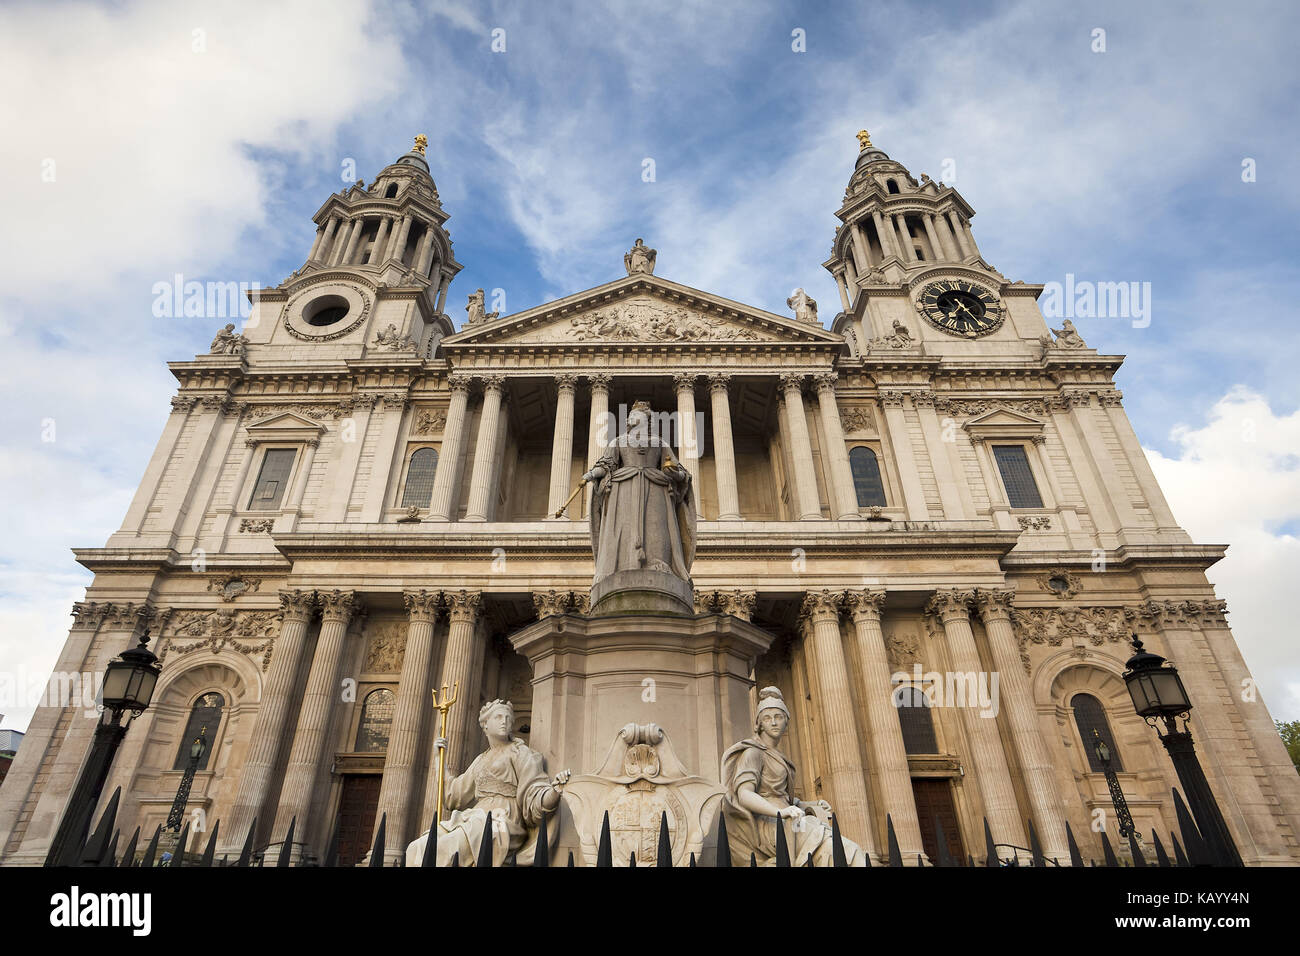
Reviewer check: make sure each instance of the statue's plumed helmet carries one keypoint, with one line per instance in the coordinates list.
(769, 698)
(642, 407)
(492, 705)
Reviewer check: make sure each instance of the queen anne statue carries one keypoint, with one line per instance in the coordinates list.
(506, 787)
(759, 782)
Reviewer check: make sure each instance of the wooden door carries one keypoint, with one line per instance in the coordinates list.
(934, 803)
(357, 807)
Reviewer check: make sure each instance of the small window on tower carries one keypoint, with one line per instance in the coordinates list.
(269, 490)
(1017, 477)
(891, 185)
(391, 191)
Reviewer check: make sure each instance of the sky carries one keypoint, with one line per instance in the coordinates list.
(149, 139)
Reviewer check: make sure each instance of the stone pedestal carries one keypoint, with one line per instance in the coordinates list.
(642, 591)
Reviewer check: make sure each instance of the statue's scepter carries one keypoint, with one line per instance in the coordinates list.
(581, 484)
(442, 733)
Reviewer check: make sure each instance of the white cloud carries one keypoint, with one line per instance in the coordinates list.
(1237, 481)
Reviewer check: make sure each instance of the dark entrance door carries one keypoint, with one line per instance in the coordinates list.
(357, 808)
(934, 802)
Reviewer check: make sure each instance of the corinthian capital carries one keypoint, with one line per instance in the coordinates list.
(296, 604)
(821, 605)
(951, 604)
(995, 604)
(684, 382)
(791, 382)
(87, 615)
(337, 605)
(463, 606)
(865, 603)
(566, 380)
(738, 603)
(824, 381)
(459, 382)
(719, 382)
(600, 381)
(421, 605)
(551, 602)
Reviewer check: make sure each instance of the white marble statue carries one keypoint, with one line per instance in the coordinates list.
(505, 787)
(640, 259)
(1068, 337)
(804, 306)
(228, 341)
(759, 781)
(643, 509)
(476, 309)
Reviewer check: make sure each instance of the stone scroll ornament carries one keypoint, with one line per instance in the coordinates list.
(759, 781)
(506, 788)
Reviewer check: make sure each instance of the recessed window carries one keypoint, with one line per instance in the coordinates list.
(1058, 583)
(391, 191)
(376, 721)
(419, 478)
(271, 481)
(1017, 477)
(326, 310)
(916, 721)
(891, 185)
(1090, 718)
(866, 477)
(205, 717)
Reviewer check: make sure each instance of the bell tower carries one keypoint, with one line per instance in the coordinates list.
(376, 277)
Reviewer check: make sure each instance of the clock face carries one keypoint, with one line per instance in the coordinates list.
(960, 308)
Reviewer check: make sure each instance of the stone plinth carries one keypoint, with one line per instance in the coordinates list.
(642, 591)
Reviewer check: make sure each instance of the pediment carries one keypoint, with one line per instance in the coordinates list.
(286, 426)
(641, 310)
(1003, 423)
(1004, 416)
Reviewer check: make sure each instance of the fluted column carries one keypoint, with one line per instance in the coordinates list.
(844, 289)
(480, 483)
(442, 502)
(959, 234)
(834, 452)
(304, 473)
(861, 251)
(805, 477)
(885, 730)
(600, 430)
(381, 239)
(315, 243)
(887, 246)
(413, 702)
(264, 747)
(425, 256)
(970, 237)
(1017, 701)
(724, 451)
(936, 248)
(463, 609)
(821, 611)
(318, 699)
(399, 240)
(988, 762)
(562, 449)
(904, 237)
(341, 240)
(688, 441)
(946, 238)
(350, 252)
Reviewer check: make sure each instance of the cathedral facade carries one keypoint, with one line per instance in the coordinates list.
(931, 525)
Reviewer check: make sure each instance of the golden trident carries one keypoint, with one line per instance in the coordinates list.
(442, 732)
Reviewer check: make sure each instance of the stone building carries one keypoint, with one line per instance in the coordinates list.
(353, 503)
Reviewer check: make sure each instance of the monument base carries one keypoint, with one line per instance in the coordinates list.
(642, 591)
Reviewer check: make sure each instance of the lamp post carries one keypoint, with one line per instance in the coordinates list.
(1116, 791)
(129, 681)
(1159, 697)
(176, 816)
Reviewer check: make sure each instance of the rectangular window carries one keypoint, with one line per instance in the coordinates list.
(271, 482)
(1017, 477)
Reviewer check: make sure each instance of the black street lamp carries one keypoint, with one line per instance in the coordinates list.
(129, 681)
(177, 814)
(1116, 791)
(1159, 696)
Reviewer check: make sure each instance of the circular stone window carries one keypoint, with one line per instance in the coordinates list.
(326, 310)
(1059, 583)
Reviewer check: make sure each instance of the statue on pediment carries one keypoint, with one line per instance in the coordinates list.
(228, 342)
(476, 309)
(640, 259)
(804, 306)
(1068, 337)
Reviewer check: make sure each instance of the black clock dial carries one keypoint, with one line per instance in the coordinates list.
(960, 308)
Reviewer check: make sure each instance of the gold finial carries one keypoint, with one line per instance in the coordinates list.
(864, 140)
(421, 142)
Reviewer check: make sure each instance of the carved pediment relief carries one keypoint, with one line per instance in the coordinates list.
(286, 426)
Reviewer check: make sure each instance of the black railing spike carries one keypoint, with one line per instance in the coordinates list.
(94, 849)
(210, 853)
(542, 852)
(944, 857)
(990, 851)
(286, 851)
(782, 845)
(1107, 852)
(895, 854)
(753, 860)
(110, 858)
(692, 863)
(1197, 851)
(431, 845)
(178, 854)
(724, 844)
(152, 849)
(809, 861)
(1076, 858)
(570, 863)
(1133, 848)
(246, 854)
(631, 860)
(1162, 858)
(485, 847)
(664, 852)
(838, 857)
(332, 849)
(1035, 849)
(1180, 858)
(377, 850)
(128, 855)
(604, 855)
(455, 860)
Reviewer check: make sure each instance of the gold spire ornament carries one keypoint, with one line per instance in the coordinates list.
(442, 709)
(421, 141)
(864, 140)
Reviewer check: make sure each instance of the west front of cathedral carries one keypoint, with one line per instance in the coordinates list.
(893, 566)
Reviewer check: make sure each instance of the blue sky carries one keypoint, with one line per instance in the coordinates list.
(199, 141)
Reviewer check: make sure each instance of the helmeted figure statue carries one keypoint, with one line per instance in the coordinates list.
(642, 511)
(505, 787)
(759, 781)
(640, 259)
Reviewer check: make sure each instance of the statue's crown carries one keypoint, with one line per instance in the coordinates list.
(641, 407)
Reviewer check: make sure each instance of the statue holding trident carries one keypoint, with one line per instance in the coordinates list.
(505, 788)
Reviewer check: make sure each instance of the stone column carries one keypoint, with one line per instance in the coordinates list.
(1137, 459)
(886, 242)
(850, 277)
(959, 234)
(946, 237)
(904, 237)
(304, 472)
(424, 258)
(843, 495)
(394, 406)
(350, 251)
(724, 451)
(970, 237)
(413, 702)
(321, 250)
(861, 250)
(381, 240)
(457, 673)
(688, 440)
(805, 477)
(442, 501)
(844, 290)
(315, 243)
(940, 463)
(821, 612)
(318, 700)
(480, 483)
(600, 430)
(987, 762)
(885, 730)
(1017, 702)
(936, 248)
(272, 715)
(444, 282)
(562, 449)
(399, 240)
(341, 236)
(900, 442)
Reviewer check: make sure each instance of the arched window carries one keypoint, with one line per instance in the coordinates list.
(1090, 716)
(866, 477)
(419, 478)
(376, 721)
(916, 721)
(205, 718)
(391, 191)
(891, 185)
